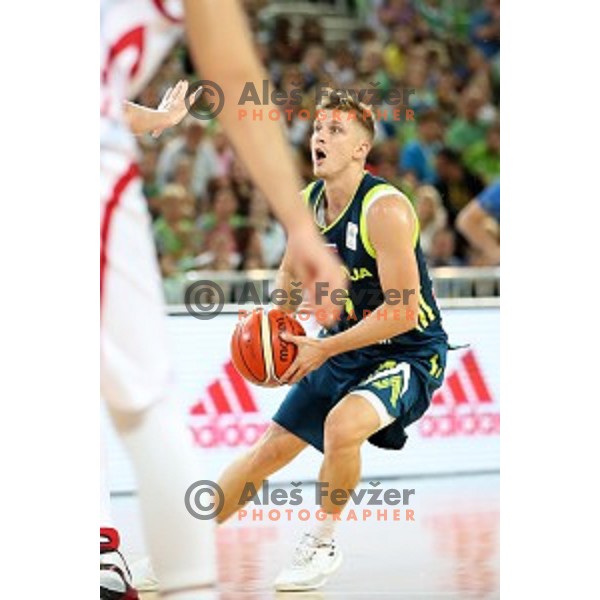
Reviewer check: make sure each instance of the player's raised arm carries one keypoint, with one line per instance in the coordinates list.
(222, 50)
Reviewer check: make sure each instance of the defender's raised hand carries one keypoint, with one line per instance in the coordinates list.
(174, 105)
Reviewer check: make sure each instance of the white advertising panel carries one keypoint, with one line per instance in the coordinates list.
(226, 414)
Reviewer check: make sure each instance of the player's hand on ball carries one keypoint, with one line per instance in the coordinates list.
(173, 105)
(311, 355)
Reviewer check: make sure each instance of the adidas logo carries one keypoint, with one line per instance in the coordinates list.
(229, 416)
(463, 406)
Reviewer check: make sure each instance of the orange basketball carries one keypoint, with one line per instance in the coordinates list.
(257, 351)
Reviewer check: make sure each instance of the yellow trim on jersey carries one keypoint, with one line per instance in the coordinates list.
(341, 215)
(364, 235)
(435, 365)
(417, 225)
(306, 192)
(427, 308)
(436, 370)
(426, 315)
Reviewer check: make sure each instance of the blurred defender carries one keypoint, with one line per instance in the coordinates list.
(135, 371)
(371, 374)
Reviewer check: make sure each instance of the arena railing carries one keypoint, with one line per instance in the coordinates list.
(448, 283)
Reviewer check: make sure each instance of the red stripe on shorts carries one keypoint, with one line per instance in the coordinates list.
(125, 179)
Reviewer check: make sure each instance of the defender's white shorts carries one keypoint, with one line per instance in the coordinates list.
(134, 362)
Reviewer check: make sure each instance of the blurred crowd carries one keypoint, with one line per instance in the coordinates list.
(207, 214)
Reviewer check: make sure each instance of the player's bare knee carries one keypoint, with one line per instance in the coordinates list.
(341, 433)
(349, 424)
(274, 449)
(128, 418)
(264, 456)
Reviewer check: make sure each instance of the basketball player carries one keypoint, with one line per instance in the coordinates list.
(115, 574)
(372, 373)
(136, 35)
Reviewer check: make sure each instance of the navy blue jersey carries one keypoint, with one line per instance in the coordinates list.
(349, 236)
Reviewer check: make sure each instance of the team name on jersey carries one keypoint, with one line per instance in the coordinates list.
(357, 273)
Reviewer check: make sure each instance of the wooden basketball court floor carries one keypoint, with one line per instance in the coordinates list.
(450, 550)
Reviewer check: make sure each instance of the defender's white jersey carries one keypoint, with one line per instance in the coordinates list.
(135, 37)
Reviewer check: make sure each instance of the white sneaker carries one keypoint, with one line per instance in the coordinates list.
(313, 562)
(115, 578)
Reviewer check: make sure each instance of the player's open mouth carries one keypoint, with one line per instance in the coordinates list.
(320, 156)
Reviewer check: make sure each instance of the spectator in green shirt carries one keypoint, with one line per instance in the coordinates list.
(467, 129)
(175, 220)
(483, 158)
(174, 230)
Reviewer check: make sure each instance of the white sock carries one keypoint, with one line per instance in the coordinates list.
(182, 549)
(324, 529)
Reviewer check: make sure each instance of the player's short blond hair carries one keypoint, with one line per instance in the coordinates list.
(345, 103)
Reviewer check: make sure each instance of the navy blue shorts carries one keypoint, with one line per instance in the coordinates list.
(403, 382)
